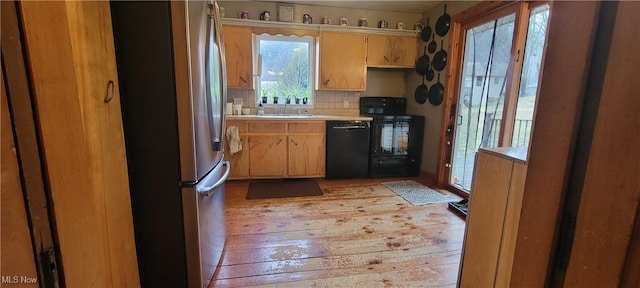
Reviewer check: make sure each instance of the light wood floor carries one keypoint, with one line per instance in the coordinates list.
(358, 234)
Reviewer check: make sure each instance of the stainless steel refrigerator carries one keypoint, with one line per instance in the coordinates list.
(170, 59)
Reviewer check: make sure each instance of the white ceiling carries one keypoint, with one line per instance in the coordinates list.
(416, 6)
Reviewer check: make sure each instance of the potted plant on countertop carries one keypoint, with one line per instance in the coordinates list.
(265, 96)
(288, 93)
(295, 92)
(305, 97)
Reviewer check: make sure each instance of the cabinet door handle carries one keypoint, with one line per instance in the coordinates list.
(326, 82)
(396, 59)
(110, 92)
(294, 142)
(279, 141)
(243, 80)
(386, 59)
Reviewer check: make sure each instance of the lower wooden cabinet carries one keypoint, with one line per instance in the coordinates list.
(494, 213)
(306, 155)
(278, 149)
(267, 156)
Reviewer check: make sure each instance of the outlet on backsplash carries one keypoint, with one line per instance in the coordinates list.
(345, 104)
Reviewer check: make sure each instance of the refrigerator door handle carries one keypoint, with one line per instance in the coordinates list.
(215, 136)
(223, 68)
(208, 190)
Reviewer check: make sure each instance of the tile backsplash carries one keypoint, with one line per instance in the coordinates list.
(325, 102)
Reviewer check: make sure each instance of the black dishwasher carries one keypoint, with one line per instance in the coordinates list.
(347, 149)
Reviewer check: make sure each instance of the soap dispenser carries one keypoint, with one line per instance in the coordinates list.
(260, 109)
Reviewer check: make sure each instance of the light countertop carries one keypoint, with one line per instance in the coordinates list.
(294, 117)
(518, 154)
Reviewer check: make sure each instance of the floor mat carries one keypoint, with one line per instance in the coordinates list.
(283, 188)
(415, 193)
(460, 207)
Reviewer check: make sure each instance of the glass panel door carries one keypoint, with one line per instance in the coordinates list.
(482, 93)
(536, 34)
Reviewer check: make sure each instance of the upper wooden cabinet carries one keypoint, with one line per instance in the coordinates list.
(343, 61)
(389, 51)
(238, 46)
(342, 56)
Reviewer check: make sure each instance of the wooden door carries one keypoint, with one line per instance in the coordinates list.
(306, 155)
(268, 155)
(75, 88)
(343, 61)
(238, 47)
(378, 51)
(404, 50)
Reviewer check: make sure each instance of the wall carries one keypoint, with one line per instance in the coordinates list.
(326, 102)
(433, 114)
(380, 82)
(386, 82)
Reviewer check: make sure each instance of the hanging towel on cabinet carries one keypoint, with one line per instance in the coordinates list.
(235, 145)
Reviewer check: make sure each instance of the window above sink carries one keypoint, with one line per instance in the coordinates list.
(285, 67)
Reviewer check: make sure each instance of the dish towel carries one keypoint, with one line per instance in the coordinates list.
(235, 145)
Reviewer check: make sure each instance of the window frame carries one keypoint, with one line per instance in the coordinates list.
(311, 40)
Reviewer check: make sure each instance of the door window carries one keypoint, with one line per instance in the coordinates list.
(534, 46)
